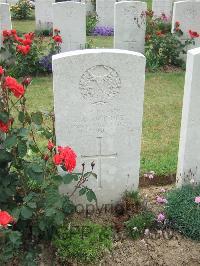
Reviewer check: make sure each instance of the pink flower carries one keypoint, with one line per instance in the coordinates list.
(197, 200)
(151, 176)
(160, 218)
(161, 200)
(162, 190)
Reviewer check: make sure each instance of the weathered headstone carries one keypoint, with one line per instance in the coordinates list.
(44, 14)
(130, 25)
(189, 147)
(160, 7)
(5, 20)
(187, 13)
(98, 99)
(105, 12)
(70, 19)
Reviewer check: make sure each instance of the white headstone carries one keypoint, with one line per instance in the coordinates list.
(11, 2)
(98, 99)
(160, 7)
(89, 6)
(130, 25)
(44, 14)
(189, 147)
(70, 19)
(187, 13)
(5, 20)
(105, 12)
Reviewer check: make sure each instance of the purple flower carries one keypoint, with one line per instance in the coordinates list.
(160, 218)
(46, 63)
(161, 200)
(103, 31)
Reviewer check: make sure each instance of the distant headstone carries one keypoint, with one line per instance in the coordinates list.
(189, 147)
(130, 25)
(70, 19)
(105, 12)
(90, 8)
(11, 2)
(160, 7)
(44, 14)
(187, 13)
(5, 20)
(98, 99)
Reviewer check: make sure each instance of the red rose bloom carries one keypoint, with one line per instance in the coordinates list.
(27, 42)
(177, 24)
(57, 38)
(5, 127)
(50, 145)
(5, 218)
(1, 71)
(24, 49)
(66, 157)
(6, 33)
(14, 32)
(57, 159)
(14, 86)
(193, 34)
(29, 35)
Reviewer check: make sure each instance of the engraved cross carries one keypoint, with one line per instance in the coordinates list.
(99, 157)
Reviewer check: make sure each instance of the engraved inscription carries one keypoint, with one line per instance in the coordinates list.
(135, 17)
(191, 13)
(99, 157)
(99, 84)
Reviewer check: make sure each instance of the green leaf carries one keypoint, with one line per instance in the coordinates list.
(23, 132)
(42, 225)
(50, 212)
(15, 238)
(37, 118)
(4, 117)
(82, 191)
(10, 141)
(15, 213)
(59, 218)
(22, 148)
(21, 116)
(35, 171)
(32, 205)
(37, 168)
(67, 179)
(91, 196)
(5, 156)
(95, 175)
(26, 212)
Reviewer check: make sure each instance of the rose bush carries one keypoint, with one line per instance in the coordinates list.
(21, 10)
(162, 47)
(29, 179)
(24, 53)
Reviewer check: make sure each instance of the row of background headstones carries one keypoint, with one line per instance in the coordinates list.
(128, 18)
(129, 23)
(112, 112)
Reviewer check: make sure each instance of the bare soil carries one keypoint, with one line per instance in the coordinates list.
(158, 248)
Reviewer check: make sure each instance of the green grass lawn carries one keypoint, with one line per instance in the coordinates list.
(162, 109)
